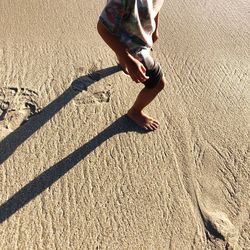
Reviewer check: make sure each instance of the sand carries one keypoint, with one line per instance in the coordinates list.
(77, 174)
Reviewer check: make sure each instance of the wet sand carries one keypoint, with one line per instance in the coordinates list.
(77, 174)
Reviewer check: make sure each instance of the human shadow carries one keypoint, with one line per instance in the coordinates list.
(55, 172)
(10, 143)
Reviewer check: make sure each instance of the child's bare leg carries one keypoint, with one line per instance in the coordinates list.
(143, 99)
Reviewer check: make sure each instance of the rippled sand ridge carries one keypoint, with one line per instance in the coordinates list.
(76, 173)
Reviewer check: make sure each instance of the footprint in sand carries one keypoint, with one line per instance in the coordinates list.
(102, 96)
(17, 105)
(92, 98)
(89, 95)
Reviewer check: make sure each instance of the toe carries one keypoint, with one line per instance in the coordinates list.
(156, 122)
(151, 126)
(156, 125)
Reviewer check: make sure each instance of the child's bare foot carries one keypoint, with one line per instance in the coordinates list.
(143, 120)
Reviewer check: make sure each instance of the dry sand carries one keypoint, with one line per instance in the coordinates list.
(76, 174)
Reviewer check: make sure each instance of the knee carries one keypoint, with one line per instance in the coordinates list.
(161, 84)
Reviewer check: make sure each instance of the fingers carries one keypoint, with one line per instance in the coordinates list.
(125, 70)
(143, 71)
(139, 75)
(134, 68)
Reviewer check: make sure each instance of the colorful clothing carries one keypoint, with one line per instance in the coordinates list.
(133, 21)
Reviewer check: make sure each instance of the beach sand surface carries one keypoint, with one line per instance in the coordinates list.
(76, 173)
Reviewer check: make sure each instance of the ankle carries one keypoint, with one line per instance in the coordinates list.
(135, 110)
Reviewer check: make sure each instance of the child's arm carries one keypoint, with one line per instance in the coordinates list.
(135, 68)
(155, 35)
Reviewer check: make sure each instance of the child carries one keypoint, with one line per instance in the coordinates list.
(130, 27)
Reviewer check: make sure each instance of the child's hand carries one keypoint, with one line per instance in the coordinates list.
(133, 67)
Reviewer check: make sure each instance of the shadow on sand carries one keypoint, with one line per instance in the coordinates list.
(55, 172)
(9, 144)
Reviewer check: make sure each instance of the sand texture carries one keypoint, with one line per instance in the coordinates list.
(77, 174)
